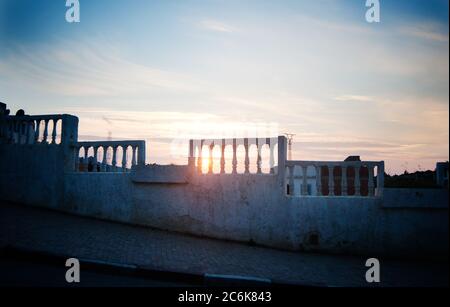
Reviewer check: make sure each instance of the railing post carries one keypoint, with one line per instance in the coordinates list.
(291, 180)
(282, 156)
(44, 140)
(95, 169)
(370, 183)
(380, 179)
(259, 158)
(105, 162)
(330, 180)
(305, 180)
(272, 156)
(55, 122)
(222, 157)
(124, 158)
(199, 158)
(69, 137)
(234, 157)
(247, 156)
(114, 158)
(357, 181)
(191, 158)
(344, 186)
(36, 134)
(319, 180)
(141, 153)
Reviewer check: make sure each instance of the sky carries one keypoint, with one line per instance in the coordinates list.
(166, 71)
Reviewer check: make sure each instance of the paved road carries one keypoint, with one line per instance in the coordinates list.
(53, 232)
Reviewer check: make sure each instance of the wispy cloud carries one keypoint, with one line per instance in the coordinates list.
(426, 31)
(88, 69)
(217, 26)
(354, 98)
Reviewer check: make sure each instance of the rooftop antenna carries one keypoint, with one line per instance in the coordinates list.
(290, 137)
(108, 154)
(109, 131)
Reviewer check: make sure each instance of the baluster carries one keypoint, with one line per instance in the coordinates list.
(357, 181)
(104, 159)
(247, 158)
(272, 157)
(133, 158)
(55, 122)
(380, 179)
(330, 180)
(344, 186)
(124, 158)
(77, 158)
(86, 159)
(305, 180)
(258, 159)
(234, 157)
(199, 160)
(291, 180)
(222, 158)
(319, 180)
(113, 162)
(27, 132)
(95, 159)
(36, 134)
(141, 153)
(210, 158)
(44, 139)
(191, 158)
(370, 184)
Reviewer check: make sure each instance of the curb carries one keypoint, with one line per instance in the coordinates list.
(200, 280)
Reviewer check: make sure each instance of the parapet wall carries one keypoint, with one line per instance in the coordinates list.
(286, 208)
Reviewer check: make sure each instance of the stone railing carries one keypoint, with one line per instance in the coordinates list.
(38, 129)
(108, 156)
(324, 178)
(196, 159)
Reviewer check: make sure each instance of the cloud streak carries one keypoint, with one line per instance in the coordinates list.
(216, 26)
(88, 69)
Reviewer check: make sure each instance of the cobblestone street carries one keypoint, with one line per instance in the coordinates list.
(48, 231)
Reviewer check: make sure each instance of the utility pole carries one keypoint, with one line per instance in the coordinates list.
(290, 137)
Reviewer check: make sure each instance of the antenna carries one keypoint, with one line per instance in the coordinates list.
(290, 137)
(108, 154)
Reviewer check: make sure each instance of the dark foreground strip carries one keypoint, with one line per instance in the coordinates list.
(196, 280)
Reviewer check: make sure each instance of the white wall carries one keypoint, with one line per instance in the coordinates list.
(243, 207)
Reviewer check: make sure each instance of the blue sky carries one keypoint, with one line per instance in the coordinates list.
(161, 70)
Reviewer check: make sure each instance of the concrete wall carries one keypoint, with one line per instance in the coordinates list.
(248, 207)
(253, 208)
(360, 225)
(32, 174)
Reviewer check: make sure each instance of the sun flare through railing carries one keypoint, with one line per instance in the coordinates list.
(234, 155)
